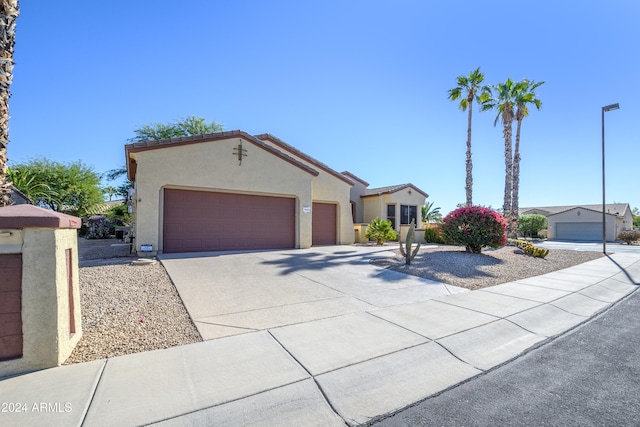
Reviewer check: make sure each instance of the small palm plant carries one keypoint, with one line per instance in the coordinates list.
(380, 231)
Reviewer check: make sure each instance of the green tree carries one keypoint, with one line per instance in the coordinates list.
(184, 126)
(110, 191)
(504, 101)
(525, 96)
(380, 231)
(74, 187)
(636, 217)
(28, 181)
(431, 214)
(469, 88)
(9, 12)
(532, 224)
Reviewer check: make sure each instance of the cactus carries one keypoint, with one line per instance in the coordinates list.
(406, 250)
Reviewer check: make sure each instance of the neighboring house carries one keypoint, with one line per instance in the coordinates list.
(584, 222)
(234, 191)
(397, 203)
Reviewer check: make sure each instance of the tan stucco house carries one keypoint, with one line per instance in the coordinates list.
(396, 203)
(584, 222)
(236, 191)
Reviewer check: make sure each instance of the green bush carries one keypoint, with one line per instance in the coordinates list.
(531, 224)
(433, 234)
(475, 227)
(119, 214)
(629, 236)
(380, 231)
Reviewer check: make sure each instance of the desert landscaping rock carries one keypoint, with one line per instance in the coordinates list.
(129, 309)
(454, 266)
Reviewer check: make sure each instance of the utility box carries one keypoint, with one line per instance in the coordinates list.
(40, 320)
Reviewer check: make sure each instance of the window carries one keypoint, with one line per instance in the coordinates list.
(408, 213)
(391, 215)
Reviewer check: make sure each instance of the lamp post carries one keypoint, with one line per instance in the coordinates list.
(604, 222)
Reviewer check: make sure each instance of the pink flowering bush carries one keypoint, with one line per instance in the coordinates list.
(475, 227)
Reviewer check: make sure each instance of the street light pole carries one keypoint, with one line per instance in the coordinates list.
(604, 215)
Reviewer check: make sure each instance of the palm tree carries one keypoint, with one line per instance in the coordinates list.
(525, 94)
(504, 102)
(469, 86)
(431, 214)
(8, 14)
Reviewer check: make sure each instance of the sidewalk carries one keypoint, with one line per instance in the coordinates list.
(347, 369)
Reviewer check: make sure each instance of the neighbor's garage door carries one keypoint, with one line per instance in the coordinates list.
(323, 223)
(579, 230)
(196, 221)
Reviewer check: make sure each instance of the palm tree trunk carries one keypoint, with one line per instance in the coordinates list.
(516, 181)
(8, 15)
(508, 165)
(469, 180)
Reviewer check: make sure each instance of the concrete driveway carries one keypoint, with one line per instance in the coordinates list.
(233, 293)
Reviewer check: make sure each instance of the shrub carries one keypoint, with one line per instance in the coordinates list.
(629, 236)
(119, 214)
(380, 231)
(531, 224)
(98, 227)
(475, 227)
(433, 234)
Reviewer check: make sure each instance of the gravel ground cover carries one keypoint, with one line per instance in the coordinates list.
(127, 308)
(454, 266)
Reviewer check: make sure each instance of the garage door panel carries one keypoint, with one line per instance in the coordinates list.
(323, 223)
(209, 221)
(578, 231)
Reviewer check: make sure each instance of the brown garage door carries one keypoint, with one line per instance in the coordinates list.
(323, 222)
(10, 306)
(196, 221)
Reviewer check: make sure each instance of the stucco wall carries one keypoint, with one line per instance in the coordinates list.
(376, 206)
(358, 190)
(45, 300)
(327, 188)
(212, 166)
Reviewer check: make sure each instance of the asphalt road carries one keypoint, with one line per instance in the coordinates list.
(589, 376)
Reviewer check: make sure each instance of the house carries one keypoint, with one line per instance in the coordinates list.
(399, 204)
(234, 191)
(584, 222)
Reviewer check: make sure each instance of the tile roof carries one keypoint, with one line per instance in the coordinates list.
(355, 178)
(291, 149)
(613, 208)
(369, 192)
(195, 139)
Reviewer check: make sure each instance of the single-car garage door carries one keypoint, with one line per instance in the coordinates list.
(323, 223)
(578, 231)
(196, 221)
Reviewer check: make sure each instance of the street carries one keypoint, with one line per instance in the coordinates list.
(589, 376)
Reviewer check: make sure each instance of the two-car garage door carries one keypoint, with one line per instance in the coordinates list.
(578, 231)
(207, 221)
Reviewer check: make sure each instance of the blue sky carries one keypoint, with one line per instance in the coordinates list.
(359, 85)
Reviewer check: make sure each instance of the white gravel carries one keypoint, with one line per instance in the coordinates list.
(128, 309)
(454, 266)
